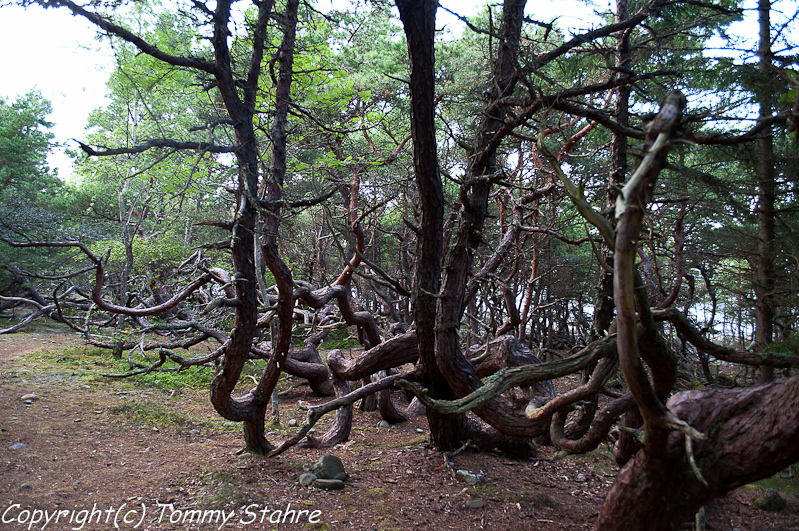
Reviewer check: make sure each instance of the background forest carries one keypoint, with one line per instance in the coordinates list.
(526, 202)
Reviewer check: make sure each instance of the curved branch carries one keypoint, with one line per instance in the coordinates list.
(396, 351)
(157, 143)
(598, 431)
(517, 376)
(317, 412)
(577, 196)
(688, 331)
(97, 297)
(320, 297)
(141, 44)
(631, 205)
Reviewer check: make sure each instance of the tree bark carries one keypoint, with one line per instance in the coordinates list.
(474, 194)
(751, 434)
(630, 209)
(251, 408)
(418, 18)
(765, 275)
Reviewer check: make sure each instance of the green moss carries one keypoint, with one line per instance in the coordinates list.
(90, 363)
(340, 339)
(785, 482)
(156, 415)
(422, 439)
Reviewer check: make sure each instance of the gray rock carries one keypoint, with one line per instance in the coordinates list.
(30, 396)
(18, 446)
(384, 424)
(328, 467)
(195, 431)
(470, 478)
(580, 478)
(772, 501)
(25, 486)
(329, 484)
(475, 504)
(307, 478)
(292, 422)
(245, 455)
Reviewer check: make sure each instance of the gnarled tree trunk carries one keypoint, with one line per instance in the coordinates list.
(751, 434)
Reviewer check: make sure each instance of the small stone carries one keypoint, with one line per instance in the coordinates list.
(195, 431)
(772, 502)
(329, 484)
(469, 478)
(18, 446)
(30, 396)
(292, 422)
(419, 430)
(25, 486)
(580, 478)
(328, 467)
(245, 455)
(307, 478)
(475, 504)
(384, 424)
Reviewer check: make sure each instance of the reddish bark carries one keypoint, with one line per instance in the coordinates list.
(339, 431)
(392, 353)
(751, 434)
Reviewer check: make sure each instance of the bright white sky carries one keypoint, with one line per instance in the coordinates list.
(59, 54)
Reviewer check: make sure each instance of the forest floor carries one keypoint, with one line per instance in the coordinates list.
(150, 454)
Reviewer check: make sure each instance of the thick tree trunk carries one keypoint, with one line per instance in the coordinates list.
(447, 372)
(271, 222)
(418, 18)
(458, 371)
(250, 409)
(751, 434)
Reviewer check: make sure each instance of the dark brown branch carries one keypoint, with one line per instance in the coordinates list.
(518, 376)
(687, 330)
(317, 412)
(160, 143)
(141, 44)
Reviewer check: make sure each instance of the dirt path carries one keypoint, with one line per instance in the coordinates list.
(164, 459)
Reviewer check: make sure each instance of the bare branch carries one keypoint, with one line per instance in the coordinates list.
(141, 44)
(160, 143)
